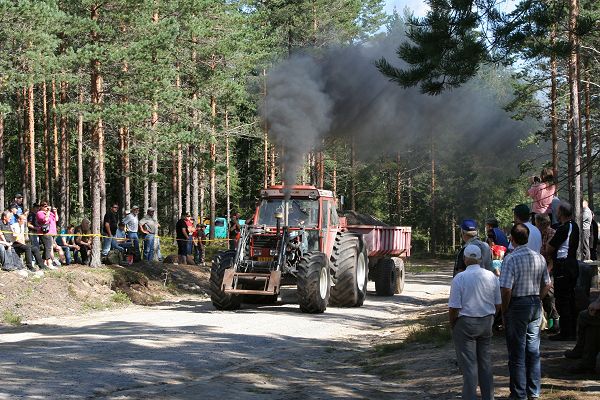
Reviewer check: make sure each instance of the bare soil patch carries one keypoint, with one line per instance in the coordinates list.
(77, 289)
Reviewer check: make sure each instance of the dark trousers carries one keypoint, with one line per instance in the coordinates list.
(21, 248)
(565, 272)
(588, 338)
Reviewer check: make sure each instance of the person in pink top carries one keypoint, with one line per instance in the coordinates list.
(46, 222)
(542, 191)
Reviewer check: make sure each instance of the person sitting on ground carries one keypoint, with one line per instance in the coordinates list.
(468, 230)
(542, 191)
(474, 300)
(20, 233)
(587, 348)
(83, 239)
(7, 236)
(66, 241)
(123, 243)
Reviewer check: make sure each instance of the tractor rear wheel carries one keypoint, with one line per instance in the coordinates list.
(385, 277)
(399, 266)
(314, 283)
(220, 299)
(351, 272)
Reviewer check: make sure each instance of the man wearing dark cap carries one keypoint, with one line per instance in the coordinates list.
(522, 215)
(523, 283)
(565, 270)
(468, 229)
(18, 204)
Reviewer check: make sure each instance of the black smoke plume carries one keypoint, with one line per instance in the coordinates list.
(340, 93)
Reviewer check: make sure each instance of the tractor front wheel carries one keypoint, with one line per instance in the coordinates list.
(314, 283)
(351, 271)
(220, 299)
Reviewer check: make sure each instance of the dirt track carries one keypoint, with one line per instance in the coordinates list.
(188, 350)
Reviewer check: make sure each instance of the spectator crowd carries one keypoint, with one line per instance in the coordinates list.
(37, 236)
(530, 280)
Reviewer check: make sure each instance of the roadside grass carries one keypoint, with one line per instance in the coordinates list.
(10, 318)
(120, 297)
(437, 335)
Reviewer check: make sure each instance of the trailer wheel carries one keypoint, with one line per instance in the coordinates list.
(399, 267)
(220, 299)
(385, 277)
(351, 272)
(314, 283)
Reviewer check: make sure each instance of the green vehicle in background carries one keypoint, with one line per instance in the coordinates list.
(221, 227)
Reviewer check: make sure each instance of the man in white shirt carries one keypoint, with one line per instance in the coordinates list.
(474, 300)
(522, 215)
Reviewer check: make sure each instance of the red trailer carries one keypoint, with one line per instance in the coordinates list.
(386, 247)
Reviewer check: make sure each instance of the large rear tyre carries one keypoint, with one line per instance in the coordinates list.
(399, 267)
(385, 277)
(220, 299)
(351, 272)
(314, 283)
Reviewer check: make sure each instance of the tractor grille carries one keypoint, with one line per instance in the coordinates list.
(261, 244)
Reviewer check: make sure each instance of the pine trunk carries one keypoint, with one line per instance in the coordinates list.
(266, 136)
(574, 116)
(334, 175)
(21, 124)
(174, 192)
(588, 145)
(154, 166)
(352, 177)
(64, 155)
(398, 189)
(227, 168)
(55, 145)
(31, 114)
(47, 180)
(179, 159)
(433, 209)
(194, 186)
(145, 167)
(97, 152)
(213, 162)
(80, 182)
(188, 181)
(553, 101)
(2, 163)
(273, 166)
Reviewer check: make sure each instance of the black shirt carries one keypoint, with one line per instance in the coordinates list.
(562, 232)
(7, 232)
(113, 221)
(181, 229)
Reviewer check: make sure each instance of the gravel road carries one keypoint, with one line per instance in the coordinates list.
(187, 350)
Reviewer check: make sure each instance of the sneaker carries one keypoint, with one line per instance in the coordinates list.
(56, 263)
(51, 267)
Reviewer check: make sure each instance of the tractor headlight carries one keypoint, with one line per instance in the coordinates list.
(273, 252)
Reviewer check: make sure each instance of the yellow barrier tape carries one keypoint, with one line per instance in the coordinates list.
(104, 236)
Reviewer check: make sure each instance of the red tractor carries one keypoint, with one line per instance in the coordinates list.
(298, 238)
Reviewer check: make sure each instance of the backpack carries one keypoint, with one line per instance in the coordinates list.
(12, 261)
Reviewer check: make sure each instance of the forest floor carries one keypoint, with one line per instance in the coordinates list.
(149, 331)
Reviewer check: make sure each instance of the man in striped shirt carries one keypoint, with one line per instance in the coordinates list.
(523, 282)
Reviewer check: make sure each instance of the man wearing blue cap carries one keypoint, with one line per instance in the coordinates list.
(468, 229)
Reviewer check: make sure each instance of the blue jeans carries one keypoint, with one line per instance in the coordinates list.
(149, 247)
(108, 244)
(67, 251)
(133, 238)
(523, 319)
